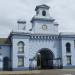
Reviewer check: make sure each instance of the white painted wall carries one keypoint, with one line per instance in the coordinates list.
(71, 41)
(40, 20)
(51, 28)
(36, 45)
(5, 52)
(32, 46)
(15, 52)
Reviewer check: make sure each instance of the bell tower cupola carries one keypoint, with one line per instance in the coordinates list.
(42, 10)
(42, 22)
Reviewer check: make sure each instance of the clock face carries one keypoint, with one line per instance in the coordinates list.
(44, 27)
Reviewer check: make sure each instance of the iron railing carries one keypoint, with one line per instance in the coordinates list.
(53, 64)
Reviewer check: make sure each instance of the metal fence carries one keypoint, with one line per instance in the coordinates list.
(53, 64)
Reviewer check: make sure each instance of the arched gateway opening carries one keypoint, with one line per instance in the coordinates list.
(45, 59)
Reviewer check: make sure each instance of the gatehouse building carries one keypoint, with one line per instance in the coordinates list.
(42, 47)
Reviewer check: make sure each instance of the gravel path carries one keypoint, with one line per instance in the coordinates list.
(40, 72)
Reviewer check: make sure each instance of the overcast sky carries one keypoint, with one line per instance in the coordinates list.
(12, 10)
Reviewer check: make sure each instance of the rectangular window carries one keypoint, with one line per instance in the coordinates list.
(0, 50)
(68, 50)
(68, 60)
(74, 43)
(20, 61)
(0, 47)
(20, 49)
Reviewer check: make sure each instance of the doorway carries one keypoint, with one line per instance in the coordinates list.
(5, 63)
(45, 59)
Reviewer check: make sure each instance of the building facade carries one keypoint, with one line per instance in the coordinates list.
(42, 47)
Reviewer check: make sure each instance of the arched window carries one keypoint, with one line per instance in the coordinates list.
(20, 47)
(68, 47)
(44, 13)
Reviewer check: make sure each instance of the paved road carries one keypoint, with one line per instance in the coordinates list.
(58, 72)
(40, 72)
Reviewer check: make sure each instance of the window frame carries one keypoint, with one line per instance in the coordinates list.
(69, 60)
(20, 47)
(68, 47)
(74, 43)
(19, 58)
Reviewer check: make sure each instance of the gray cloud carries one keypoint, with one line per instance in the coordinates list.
(11, 10)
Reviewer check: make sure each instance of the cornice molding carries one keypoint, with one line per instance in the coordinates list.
(40, 34)
(46, 37)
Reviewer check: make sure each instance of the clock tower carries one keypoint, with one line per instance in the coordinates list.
(42, 22)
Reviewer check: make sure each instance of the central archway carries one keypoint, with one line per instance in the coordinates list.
(45, 59)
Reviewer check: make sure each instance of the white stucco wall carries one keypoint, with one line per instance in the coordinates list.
(15, 53)
(36, 45)
(31, 47)
(38, 20)
(5, 52)
(51, 28)
(64, 54)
